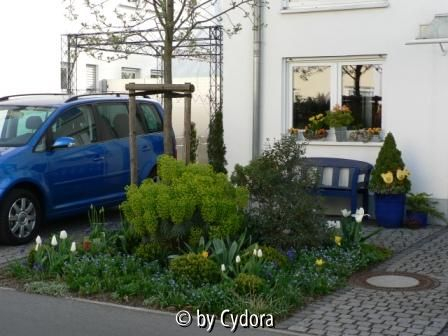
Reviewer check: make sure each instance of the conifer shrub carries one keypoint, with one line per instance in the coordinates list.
(216, 149)
(188, 201)
(389, 176)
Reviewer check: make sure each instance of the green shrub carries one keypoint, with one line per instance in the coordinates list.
(248, 283)
(284, 213)
(389, 175)
(271, 254)
(196, 268)
(186, 197)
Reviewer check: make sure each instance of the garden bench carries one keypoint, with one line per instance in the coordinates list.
(333, 172)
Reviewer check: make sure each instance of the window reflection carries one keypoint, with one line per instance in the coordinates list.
(311, 93)
(361, 91)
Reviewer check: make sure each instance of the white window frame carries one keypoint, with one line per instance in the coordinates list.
(305, 6)
(94, 68)
(336, 64)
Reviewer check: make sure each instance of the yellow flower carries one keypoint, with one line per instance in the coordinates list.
(388, 177)
(204, 254)
(401, 175)
(337, 240)
(312, 119)
(319, 262)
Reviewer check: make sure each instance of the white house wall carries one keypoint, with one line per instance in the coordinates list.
(415, 82)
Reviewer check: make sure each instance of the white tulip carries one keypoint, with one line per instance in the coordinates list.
(223, 268)
(259, 253)
(346, 212)
(38, 240)
(63, 235)
(54, 241)
(255, 252)
(238, 259)
(337, 224)
(359, 215)
(73, 247)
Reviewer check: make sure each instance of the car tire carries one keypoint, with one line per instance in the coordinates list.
(20, 217)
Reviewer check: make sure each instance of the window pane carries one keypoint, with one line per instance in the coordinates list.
(114, 121)
(152, 118)
(311, 92)
(77, 123)
(361, 91)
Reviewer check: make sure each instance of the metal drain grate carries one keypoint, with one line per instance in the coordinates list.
(393, 281)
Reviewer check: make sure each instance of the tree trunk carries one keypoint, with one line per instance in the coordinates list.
(168, 78)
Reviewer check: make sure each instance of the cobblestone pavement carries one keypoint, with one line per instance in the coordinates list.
(361, 311)
(75, 226)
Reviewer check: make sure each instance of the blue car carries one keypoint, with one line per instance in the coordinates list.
(59, 156)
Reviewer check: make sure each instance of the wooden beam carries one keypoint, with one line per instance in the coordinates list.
(160, 88)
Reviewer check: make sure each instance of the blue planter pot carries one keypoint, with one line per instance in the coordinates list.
(390, 209)
(420, 217)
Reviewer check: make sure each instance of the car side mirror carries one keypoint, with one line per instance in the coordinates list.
(63, 142)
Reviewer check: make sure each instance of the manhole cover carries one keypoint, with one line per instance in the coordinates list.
(390, 281)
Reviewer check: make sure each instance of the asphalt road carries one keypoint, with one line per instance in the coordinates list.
(36, 315)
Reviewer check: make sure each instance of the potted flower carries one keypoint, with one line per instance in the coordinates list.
(339, 118)
(419, 206)
(375, 133)
(316, 127)
(390, 183)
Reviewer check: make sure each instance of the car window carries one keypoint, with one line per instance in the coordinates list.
(77, 123)
(151, 118)
(113, 121)
(19, 123)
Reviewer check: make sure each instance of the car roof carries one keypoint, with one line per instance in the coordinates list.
(59, 100)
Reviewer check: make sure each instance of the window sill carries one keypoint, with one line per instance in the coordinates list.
(335, 7)
(345, 143)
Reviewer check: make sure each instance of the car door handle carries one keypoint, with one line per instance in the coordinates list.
(98, 158)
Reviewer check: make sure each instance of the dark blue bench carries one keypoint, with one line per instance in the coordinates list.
(357, 182)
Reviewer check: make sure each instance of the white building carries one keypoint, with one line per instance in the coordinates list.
(308, 46)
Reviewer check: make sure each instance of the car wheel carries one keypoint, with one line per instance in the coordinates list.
(20, 217)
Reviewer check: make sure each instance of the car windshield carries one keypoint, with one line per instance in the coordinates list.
(19, 123)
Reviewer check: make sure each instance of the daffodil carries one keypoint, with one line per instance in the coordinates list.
(63, 235)
(204, 254)
(346, 213)
(388, 177)
(319, 262)
(338, 240)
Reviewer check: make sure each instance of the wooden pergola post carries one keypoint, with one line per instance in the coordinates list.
(133, 155)
(173, 90)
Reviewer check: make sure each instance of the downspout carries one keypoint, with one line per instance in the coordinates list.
(256, 113)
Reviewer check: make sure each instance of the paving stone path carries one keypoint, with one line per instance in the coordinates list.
(361, 311)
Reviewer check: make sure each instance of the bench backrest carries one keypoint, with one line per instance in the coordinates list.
(358, 171)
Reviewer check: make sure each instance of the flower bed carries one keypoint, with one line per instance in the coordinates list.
(189, 242)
